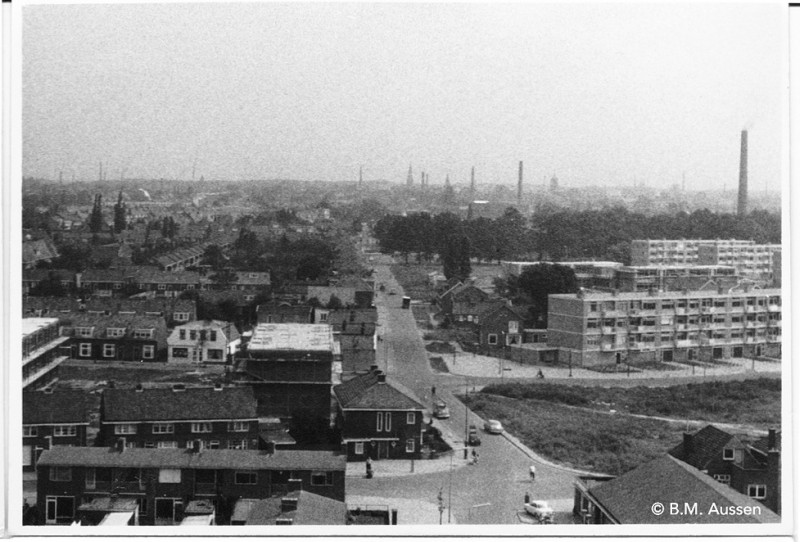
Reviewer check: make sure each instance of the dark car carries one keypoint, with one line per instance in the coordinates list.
(473, 439)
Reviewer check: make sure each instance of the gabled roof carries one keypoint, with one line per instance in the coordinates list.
(628, 498)
(365, 392)
(497, 309)
(60, 406)
(312, 509)
(153, 404)
(41, 249)
(706, 446)
(479, 308)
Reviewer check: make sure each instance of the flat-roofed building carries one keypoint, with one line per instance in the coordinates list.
(588, 274)
(597, 328)
(42, 351)
(677, 251)
(638, 278)
(752, 261)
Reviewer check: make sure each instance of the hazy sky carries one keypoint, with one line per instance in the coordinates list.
(598, 94)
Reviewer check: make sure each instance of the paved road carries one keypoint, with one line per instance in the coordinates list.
(491, 491)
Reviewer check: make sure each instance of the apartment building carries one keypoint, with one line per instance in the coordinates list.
(42, 351)
(588, 274)
(677, 251)
(597, 328)
(637, 278)
(753, 261)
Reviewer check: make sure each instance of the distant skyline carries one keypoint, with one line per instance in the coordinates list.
(599, 94)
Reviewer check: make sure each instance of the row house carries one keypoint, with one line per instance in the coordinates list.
(352, 292)
(378, 419)
(218, 417)
(52, 418)
(588, 273)
(35, 279)
(468, 314)
(355, 331)
(173, 310)
(181, 259)
(291, 367)
(666, 326)
(138, 279)
(628, 499)
(43, 350)
(500, 326)
(164, 482)
(751, 468)
(116, 338)
(203, 341)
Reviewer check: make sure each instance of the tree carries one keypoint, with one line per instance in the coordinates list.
(539, 281)
(464, 265)
(120, 220)
(335, 303)
(214, 257)
(96, 216)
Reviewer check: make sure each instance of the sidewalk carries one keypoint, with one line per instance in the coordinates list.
(409, 511)
(386, 468)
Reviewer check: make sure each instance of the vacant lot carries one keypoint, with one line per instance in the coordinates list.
(755, 401)
(597, 442)
(88, 375)
(414, 280)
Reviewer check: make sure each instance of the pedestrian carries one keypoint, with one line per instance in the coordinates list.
(433, 390)
(369, 467)
(527, 497)
(533, 473)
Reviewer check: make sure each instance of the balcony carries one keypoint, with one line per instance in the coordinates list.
(774, 308)
(606, 347)
(607, 330)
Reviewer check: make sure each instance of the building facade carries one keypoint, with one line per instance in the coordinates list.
(52, 418)
(202, 341)
(42, 351)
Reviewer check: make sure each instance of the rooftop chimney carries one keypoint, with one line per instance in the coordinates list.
(178, 387)
(288, 504)
(519, 184)
(742, 208)
(373, 368)
(772, 440)
(688, 443)
(381, 377)
(139, 388)
(218, 386)
(295, 484)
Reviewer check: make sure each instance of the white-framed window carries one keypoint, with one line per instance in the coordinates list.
(60, 474)
(727, 454)
(163, 428)
(201, 427)
(411, 418)
(148, 351)
(83, 331)
(115, 332)
(513, 326)
(723, 478)
(65, 430)
(30, 431)
(84, 350)
(322, 478)
(182, 334)
(387, 421)
(167, 444)
(245, 477)
(410, 445)
(59, 509)
(125, 429)
(237, 444)
(143, 334)
(162, 286)
(359, 448)
(379, 426)
(239, 426)
(169, 476)
(180, 352)
(109, 350)
(757, 491)
(211, 444)
(212, 335)
(181, 317)
(492, 338)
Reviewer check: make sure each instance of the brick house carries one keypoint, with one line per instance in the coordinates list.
(164, 481)
(52, 418)
(355, 330)
(202, 341)
(378, 419)
(500, 326)
(173, 310)
(220, 417)
(461, 293)
(120, 337)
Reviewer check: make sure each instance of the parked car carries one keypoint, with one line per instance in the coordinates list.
(440, 410)
(473, 439)
(493, 426)
(540, 510)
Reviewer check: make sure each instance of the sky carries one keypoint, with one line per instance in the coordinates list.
(598, 94)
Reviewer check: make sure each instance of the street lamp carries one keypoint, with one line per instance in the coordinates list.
(466, 419)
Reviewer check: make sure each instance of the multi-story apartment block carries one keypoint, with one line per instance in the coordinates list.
(165, 481)
(752, 261)
(42, 351)
(676, 251)
(218, 417)
(52, 418)
(665, 326)
(588, 274)
(291, 367)
(674, 277)
(203, 341)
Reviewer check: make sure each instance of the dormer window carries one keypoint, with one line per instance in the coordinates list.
(143, 334)
(115, 332)
(83, 331)
(727, 454)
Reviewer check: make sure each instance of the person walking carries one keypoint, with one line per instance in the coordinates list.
(369, 467)
(533, 473)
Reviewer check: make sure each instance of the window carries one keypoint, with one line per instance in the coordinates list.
(359, 448)
(169, 476)
(212, 335)
(85, 350)
(60, 474)
(162, 286)
(237, 444)
(83, 331)
(492, 339)
(59, 509)
(167, 444)
(379, 427)
(411, 418)
(245, 477)
(727, 454)
(182, 334)
(114, 332)
(211, 444)
(148, 351)
(181, 317)
(193, 334)
(29, 431)
(143, 334)
(180, 352)
(238, 426)
(321, 478)
(109, 350)
(723, 478)
(65, 430)
(757, 491)
(125, 429)
(201, 427)
(410, 445)
(214, 354)
(202, 334)
(163, 428)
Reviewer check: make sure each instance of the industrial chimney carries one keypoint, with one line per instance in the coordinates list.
(742, 208)
(472, 182)
(519, 185)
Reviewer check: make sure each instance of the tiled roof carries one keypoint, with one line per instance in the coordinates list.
(102, 323)
(365, 392)
(312, 509)
(66, 456)
(336, 317)
(706, 446)
(49, 304)
(477, 308)
(629, 497)
(762, 444)
(60, 406)
(44, 274)
(151, 404)
(33, 251)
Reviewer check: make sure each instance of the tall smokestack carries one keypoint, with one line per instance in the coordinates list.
(742, 209)
(519, 185)
(472, 181)
(410, 177)
(360, 176)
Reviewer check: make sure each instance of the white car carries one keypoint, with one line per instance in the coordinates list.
(440, 410)
(539, 510)
(493, 426)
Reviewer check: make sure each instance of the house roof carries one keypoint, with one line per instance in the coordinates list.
(60, 406)
(41, 249)
(366, 392)
(629, 497)
(44, 274)
(181, 458)
(706, 446)
(312, 509)
(479, 308)
(151, 404)
(497, 309)
(227, 328)
(270, 337)
(129, 322)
